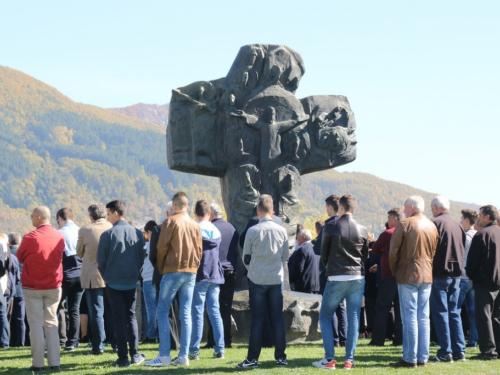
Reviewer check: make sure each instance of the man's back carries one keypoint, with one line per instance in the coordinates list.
(413, 245)
(483, 261)
(305, 270)
(228, 245)
(450, 249)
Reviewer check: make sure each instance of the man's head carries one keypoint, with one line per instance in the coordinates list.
(347, 204)
(215, 211)
(116, 211)
(332, 205)
(318, 225)
(40, 215)
(148, 228)
(265, 206)
(439, 205)
(96, 211)
(202, 210)
(180, 202)
(14, 238)
(468, 219)
(393, 217)
(169, 211)
(488, 214)
(298, 229)
(303, 236)
(64, 215)
(414, 204)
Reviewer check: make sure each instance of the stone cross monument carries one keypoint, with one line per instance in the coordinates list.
(250, 130)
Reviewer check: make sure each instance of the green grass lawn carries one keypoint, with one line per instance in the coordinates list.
(368, 360)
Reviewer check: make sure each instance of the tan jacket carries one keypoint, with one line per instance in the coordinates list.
(413, 245)
(180, 245)
(86, 248)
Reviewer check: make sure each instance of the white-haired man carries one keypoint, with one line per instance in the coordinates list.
(446, 271)
(303, 265)
(413, 245)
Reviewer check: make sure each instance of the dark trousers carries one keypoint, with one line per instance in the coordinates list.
(122, 304)
(109, 326)
(225, 305)
(487, 305)
(4, 325)
(266, 300)
(95, 304)
(17, 325)
(72, 290)
(386, 297)
(340, 325)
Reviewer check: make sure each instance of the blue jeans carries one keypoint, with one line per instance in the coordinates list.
(467, 297)
(209, 292)
(446, 316)
(95, 303)
(149, 292)
(266, 300)
(335, 292)
(414, 305)
(170, 284)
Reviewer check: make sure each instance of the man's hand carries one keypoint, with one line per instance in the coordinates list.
(374, 268)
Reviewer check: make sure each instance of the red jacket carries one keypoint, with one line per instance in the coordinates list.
(41, 253)
(381, 248)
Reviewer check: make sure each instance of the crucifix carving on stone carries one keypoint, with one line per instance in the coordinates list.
(250, 130)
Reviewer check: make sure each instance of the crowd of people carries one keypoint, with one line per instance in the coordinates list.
(422, 280)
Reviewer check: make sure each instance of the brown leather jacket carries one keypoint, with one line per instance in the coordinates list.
(180, 245)
(413, 245)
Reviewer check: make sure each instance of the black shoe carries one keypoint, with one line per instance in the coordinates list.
(342, 344)
(35, 369)
(282, 362)
(422, 364)
(459, 357)
(484, 357)
(208, 346)
(55, 368)
(138, 359)
(147, 340)
(84, 339)
(118, 363)
(403, 364)
(447, 358)
(248, 364)
(371, 343)
(100, 352)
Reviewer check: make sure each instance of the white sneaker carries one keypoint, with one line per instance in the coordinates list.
(326, 364)
(181, 361)
(159, 361)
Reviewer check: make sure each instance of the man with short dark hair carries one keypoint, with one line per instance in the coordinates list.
(179, 254)
(344, 250)
(91, 279)
(303, 265)
(264, 253)
(446, 271)
(469, 218)
(120, 256)
(483, 269)
(71, 287)
(387, 287)
(41, 253)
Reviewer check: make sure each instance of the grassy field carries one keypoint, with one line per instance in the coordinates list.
(368, 360)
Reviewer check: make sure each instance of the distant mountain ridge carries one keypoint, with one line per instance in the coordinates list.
(155, 113)
(59, 153)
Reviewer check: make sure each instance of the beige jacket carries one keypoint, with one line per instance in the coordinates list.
(413, 245)
(86, 248)
(180, 246)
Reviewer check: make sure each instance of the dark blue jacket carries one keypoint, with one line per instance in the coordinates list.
(121, 253)
(304, 269)
(210, 269)
(228, 245)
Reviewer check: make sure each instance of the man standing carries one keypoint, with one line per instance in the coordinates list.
(304, 265)
(4, 290)
(264, 253)
(91, 279)
(413, 244)
(208, 280)
(483, 269)
(120, 256)
(344, 251)
(41, 253)
(340, 316)
(71, 286)
(446, 271)
(387, 287)
(469, 218)
(228, 251)
(17, 325)
(178, 258)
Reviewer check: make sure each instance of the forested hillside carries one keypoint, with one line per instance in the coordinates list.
(60, 153)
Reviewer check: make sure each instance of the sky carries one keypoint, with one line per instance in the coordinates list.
(422, 77)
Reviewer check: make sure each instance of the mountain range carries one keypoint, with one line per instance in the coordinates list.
(60, 153)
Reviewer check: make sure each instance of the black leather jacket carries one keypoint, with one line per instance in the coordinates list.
(344, 249)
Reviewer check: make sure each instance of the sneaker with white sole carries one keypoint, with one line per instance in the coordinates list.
(348, 365)
(159, 361)
(138, 359)
(248, 364)
(181, 361)
(219, 355)
(328, 364)
(194, 356)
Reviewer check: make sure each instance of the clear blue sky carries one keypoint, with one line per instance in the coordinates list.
(422, 77)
